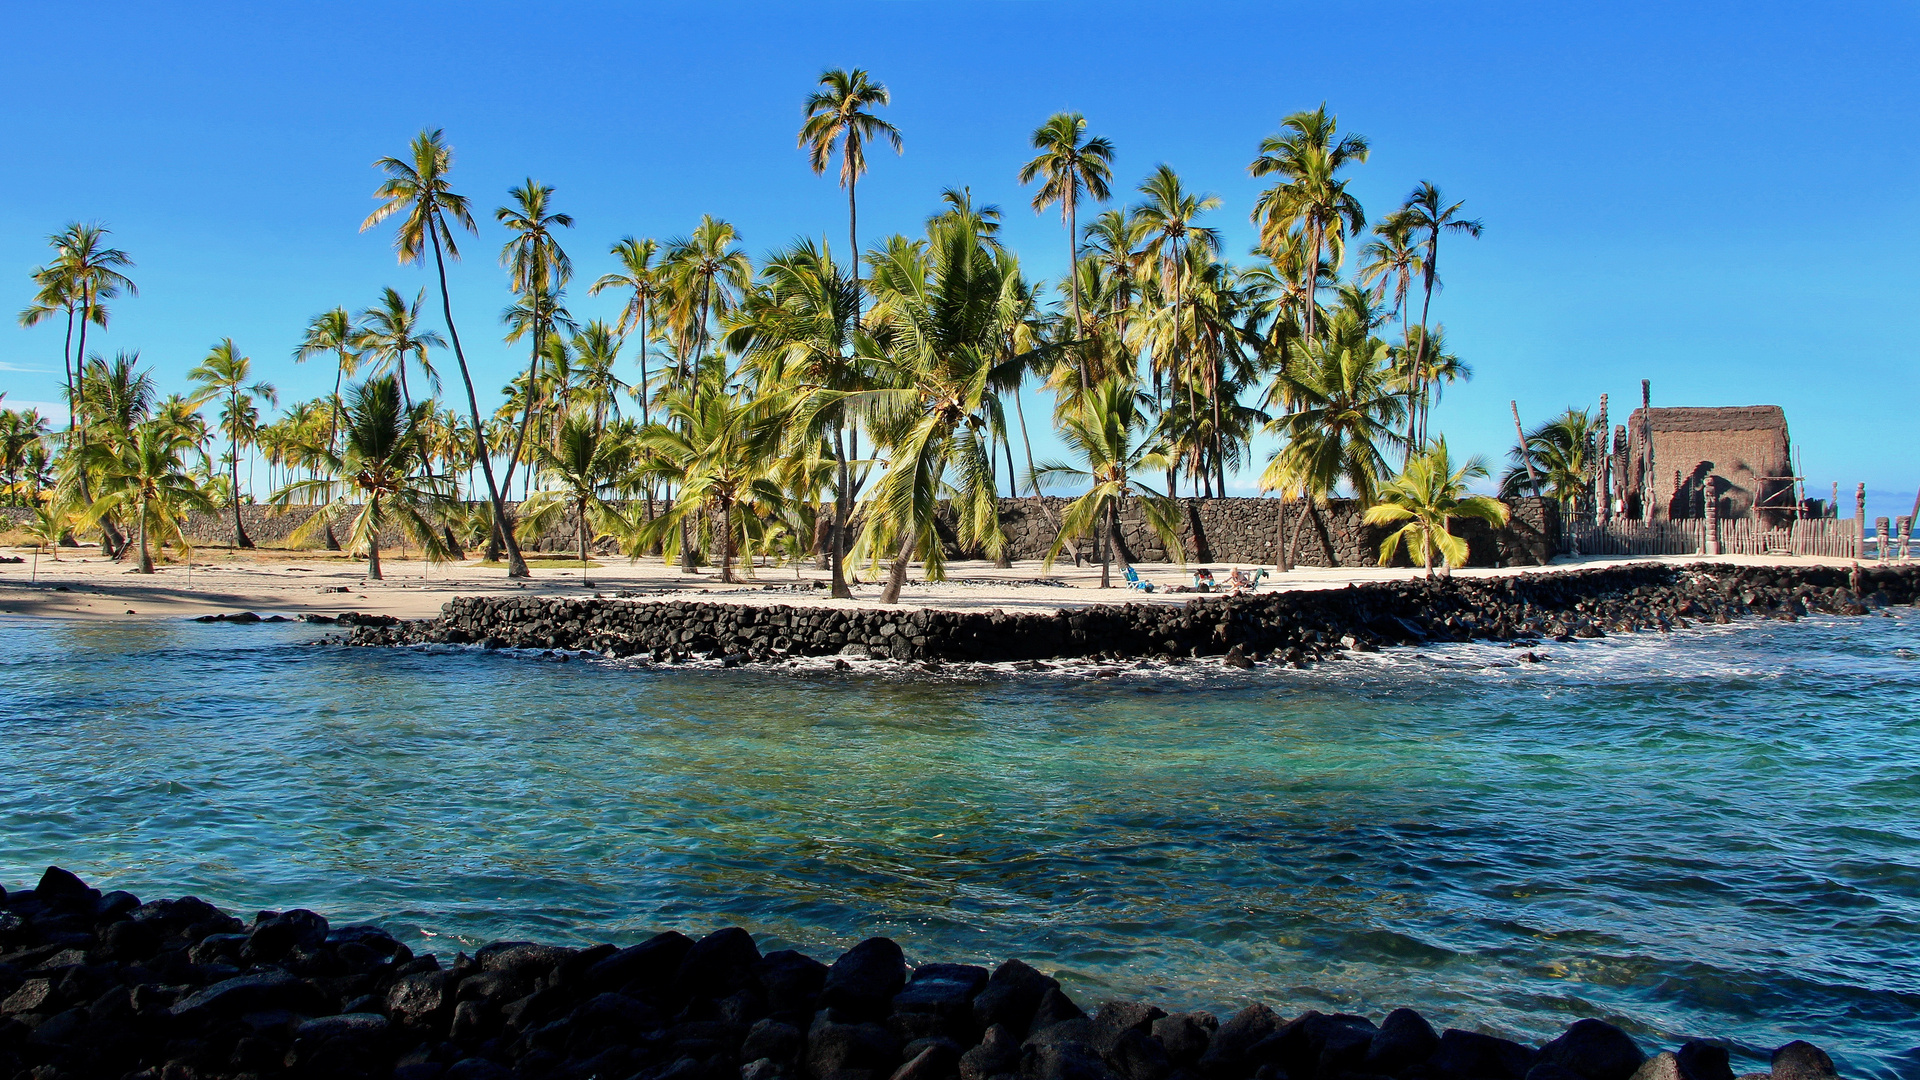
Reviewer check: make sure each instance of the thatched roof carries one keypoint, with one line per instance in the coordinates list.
(1725, 418)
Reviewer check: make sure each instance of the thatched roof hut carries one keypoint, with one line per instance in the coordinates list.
(1744, 446)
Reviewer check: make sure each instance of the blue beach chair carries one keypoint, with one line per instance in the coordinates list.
(1134, 582)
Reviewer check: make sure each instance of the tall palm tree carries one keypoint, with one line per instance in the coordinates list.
(1388, 264)
(82, 276)
(1427, 370)
(1175, 242)
(1067, 167)
(595, 349)
(332, 331)
(141, 476)
(539, 270)
(1428, 215)
(1311, 197)
(1339, 410)
(641, 279)
(383, 481)
(1108, 431)
(586, 464)
(419, 191)
(225, 374)
(838, 115)
(389, 334)
(1424, 499)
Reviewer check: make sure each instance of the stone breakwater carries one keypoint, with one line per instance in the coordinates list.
(1283, 627)
(99, 984)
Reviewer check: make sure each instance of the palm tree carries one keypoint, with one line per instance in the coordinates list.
(1175, 241)
(1428, 216)
(709, 272)
(1561, 452)
(1389, 262)
(389, 332)
(595, 349)
(1427, 370)
(539, 270)
(587, 462)
(718, 446)
(1427, 496)
(224, 373)
(1338, 410)
(838, 114)
(383, 482)
(333, 332)
(1069, 167)
(641, 278)
(419, 190)
(799, 332)
(1310, 197)
(1107, 429)
(936, 315)
(142, 476)
(81, 276)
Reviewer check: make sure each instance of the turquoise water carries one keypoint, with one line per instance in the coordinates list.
(1712, 833)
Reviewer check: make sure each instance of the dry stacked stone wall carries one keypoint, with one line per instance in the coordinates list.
(1292, 627)
(1212, 530)
(99, 984)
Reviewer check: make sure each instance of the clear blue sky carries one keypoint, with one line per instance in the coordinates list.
(1722, 198)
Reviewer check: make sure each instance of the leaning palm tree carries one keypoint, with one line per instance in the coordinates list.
(383, 480)
(142, 477)
(224, 374)
(1424, 499)
(586, 464)
(936, 315)
(419, 191)
(838, 114)
(1108, 430)
(1067, 167)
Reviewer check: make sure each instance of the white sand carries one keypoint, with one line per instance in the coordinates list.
(82, 585)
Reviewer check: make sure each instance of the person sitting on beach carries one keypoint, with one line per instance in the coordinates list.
(1203, 580)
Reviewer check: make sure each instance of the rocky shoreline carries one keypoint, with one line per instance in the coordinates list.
(99, 984)
(1294, 628)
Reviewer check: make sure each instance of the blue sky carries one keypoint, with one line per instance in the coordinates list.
(1721, 198)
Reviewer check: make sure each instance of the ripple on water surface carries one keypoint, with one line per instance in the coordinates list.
(1711, 833)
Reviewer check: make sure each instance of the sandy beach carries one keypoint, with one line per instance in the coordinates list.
(81, 584)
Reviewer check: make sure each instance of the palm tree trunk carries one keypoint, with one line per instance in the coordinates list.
(1106, 547)
(1282, 558)
(516, 565)
(1073, 276)
(836, 535)
(582, 506)
(146, 560)
(240, 537)
(897, 577)
(725, 528)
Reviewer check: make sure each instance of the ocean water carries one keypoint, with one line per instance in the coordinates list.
(1711, 833)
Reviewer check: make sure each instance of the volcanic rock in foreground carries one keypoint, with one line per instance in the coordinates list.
(102, 985)
(1293, 627)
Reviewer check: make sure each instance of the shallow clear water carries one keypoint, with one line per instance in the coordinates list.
(1712, 833)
